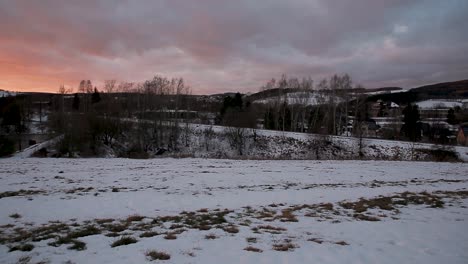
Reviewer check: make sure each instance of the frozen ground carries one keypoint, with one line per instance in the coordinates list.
(210, 211)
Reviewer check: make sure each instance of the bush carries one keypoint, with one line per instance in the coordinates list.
(441, 154)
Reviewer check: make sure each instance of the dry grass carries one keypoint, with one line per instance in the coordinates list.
(211, 236)
(25, 247)
(170, 236)
(286, 246)
(341, 243)
(231, 229)
(104, 220)
(251, 239)
(86, 231)
(390, 203)
(273, 228)
(287, 216)
(316, 240)
(149, 234)
(20, 193)
(125, 240)
(365, 217)
(135, 218)
(253, 249)
(157, 255)
(24, 260)
(15, 216)
(116, 228)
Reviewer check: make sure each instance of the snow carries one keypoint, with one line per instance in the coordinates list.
(4, 93)
(295, 145)
(429, 104)
(303, 98)
(29, 151)
(160, 187)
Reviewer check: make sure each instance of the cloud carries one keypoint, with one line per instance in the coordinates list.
(231, 45)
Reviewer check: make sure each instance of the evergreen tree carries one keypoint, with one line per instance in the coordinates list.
(76, 102)
(411, 118)
(96, 97)
(451, 117)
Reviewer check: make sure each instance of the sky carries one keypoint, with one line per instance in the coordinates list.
(225, 45)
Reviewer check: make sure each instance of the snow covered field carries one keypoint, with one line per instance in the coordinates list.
(211, 211)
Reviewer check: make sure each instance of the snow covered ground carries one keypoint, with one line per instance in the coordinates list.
(211, 211)
(430, 104)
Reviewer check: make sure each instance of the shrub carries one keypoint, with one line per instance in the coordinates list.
(442, 153)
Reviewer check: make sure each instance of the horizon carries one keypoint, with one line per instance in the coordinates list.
(222, 46)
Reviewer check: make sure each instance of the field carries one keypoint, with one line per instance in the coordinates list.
(232, 211)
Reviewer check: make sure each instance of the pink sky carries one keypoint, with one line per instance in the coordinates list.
(220, 46)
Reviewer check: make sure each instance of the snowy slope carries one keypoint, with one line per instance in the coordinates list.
(49, 194)
(429, 104)
(270, 144)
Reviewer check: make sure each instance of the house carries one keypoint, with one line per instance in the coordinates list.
(462, 136)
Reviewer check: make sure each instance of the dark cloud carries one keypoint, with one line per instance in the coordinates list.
(231, 45)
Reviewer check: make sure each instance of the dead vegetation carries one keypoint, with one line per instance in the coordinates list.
(24, 247)
(125, 240)
(170, 236)
(285, 246)
(211, 236)
(231, 229)
(20, 193)
(365, 209)
(149, 234)
(253, 249)
(157, 255)
(15, 216)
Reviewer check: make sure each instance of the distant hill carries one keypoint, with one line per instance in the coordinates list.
(458, 89)
(447, 90)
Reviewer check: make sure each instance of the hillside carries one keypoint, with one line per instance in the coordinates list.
(446, 90)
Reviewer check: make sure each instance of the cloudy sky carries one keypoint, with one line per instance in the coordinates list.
(227, 45)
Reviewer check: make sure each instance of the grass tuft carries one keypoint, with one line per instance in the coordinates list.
(231, 229)
(125, 240)
(287, 246)
(25, 247)
(253, 249)
(15, 216)
(211, 236)
(170, 236)
(157, 255)
(149, 234)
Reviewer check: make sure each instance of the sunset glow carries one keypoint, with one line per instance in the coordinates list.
(220, 46)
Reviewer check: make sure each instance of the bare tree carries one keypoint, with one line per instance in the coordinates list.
(109, 86)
